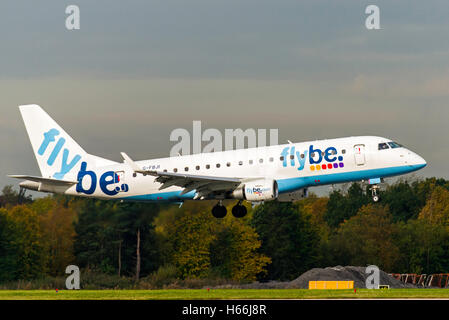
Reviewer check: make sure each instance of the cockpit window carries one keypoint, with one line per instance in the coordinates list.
(394, 145)
(383, 146)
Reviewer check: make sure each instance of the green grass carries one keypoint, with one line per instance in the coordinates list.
(221, 294)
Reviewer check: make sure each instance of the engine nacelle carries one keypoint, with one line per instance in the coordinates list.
(293, 196)
(257, 190)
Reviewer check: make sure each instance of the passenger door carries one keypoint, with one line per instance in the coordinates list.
(359, 154)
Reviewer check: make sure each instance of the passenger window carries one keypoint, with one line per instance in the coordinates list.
(271, 159)
(207, 166)
(228, 164)
(175, 170)
(281, 158)
(343, 151)
(134, 174)
(240, 163)
(383, 146)
(312, 154)
(165, 170)
(218, 165)
(292, 156)
(197, 167)
(260, 160)
(250, 161)
(186, 169)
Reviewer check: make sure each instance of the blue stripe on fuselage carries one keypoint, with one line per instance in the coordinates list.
(292, 184)
(172, 196)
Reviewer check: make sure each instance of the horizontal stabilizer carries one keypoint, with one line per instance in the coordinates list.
(48, 181)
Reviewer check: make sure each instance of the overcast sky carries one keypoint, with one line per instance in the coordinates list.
(136, 70)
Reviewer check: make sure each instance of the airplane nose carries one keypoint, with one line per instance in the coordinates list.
(418, 161)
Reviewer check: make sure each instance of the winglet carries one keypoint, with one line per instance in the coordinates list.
(131, 163)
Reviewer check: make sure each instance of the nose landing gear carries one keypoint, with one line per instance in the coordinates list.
(374, 194)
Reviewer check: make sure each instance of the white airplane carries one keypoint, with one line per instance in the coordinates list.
(282, 172)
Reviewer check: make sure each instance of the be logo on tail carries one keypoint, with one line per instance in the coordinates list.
(66, 165)
(108, 182)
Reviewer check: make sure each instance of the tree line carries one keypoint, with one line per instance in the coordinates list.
(406, 232)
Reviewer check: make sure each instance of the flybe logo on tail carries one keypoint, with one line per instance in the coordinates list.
(329, 157)
(66, 165)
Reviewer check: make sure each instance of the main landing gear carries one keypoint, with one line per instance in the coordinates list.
(219, 210)
(239, 210)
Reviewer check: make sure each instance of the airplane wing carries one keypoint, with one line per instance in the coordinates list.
(204, 185)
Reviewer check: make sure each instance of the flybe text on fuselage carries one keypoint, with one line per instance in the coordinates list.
(329, 156)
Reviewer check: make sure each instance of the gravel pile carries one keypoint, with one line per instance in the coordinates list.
(338, 273)
(349, 273)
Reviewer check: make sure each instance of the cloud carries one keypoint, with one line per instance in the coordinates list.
(407, 85)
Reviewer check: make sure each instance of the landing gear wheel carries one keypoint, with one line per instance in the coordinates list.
(375, 198)
(219, 211)
(239, 211)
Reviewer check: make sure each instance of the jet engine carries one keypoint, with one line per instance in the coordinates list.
(257, 190)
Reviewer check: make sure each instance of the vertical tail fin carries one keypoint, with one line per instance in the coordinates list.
(57, 154)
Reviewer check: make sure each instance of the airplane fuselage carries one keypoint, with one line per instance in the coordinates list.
(293, 166)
